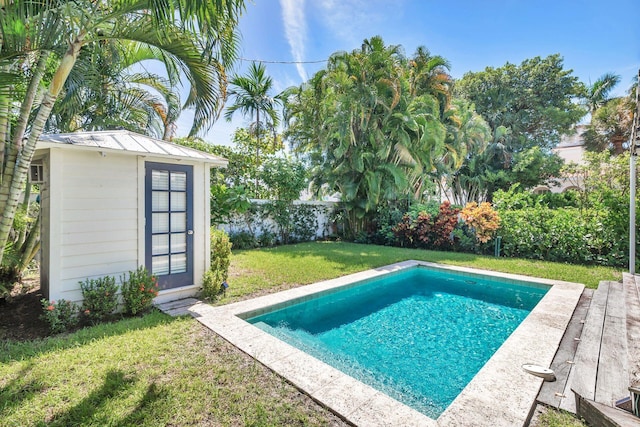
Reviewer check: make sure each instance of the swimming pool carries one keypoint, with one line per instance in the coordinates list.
(500, 394)
(419, 335)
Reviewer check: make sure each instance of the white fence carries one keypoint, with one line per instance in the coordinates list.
(257, 224)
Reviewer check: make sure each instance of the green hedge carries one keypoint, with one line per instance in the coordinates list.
(586, 236)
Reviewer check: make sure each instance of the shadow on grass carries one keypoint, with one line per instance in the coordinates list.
(88, 409)
(12, 351)
(144, 411)
(16, 392)
(91, 409)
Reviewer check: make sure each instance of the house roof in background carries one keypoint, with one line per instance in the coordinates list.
(128, 142)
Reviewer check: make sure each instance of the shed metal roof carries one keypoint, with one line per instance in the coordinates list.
(129, 142)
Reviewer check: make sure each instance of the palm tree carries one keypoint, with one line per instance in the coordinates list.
(610, 126)
(194, 36)
(363, 131)
(611, 118)
(430, 74)
(109, 88)
(251, 96)
(598, 93)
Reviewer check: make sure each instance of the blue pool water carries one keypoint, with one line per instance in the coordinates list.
(419, 335)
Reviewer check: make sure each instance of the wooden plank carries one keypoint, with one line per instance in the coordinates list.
(632, 295)
(588, 352)
(597, 414)
(612, 382)
(616, 300)
(568, 401)
(551, 393)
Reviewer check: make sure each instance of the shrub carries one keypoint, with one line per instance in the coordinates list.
(430, 207)
(387, 217)
(428, 231)
(99, 297)
(304, 222)
(422, 229)
(404, 231)
(563, 235)
(60, 316)
(443, 226)
(482, 219)
(243, 240)
(267, 239)
(217, 275)
(138, 291)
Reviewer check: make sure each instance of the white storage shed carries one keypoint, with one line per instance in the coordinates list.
(114, 200)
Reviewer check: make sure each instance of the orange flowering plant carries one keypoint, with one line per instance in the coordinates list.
(60, 316)
(138, 291)
(482, 219)
(100, 298)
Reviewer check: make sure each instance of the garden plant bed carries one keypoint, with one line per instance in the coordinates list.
(20, 315)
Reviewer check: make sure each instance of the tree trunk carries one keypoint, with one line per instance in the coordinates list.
(4, 127)
(13, 147)
(617, 142)
(25, 205)
(30, 247)
(257, 147)
(11, 188)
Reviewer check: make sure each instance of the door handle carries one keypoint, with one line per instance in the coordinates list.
(190, 232)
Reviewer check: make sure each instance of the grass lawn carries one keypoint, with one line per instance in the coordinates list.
(157, 370)
(265, 270)
(148, 371)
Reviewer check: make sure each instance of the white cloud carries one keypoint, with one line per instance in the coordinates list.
(353, 20)
(295, 28)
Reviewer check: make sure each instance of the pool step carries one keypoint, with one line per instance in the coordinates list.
(179, 307)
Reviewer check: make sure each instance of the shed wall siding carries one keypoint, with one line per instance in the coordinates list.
(99, 219)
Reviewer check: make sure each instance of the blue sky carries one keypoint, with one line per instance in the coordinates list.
(593, 36)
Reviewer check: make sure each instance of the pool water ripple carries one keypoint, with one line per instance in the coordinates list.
(419, 336)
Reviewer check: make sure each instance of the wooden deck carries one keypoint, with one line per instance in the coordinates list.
(599, 356)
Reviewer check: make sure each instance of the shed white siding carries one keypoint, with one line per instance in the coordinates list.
(93, 219)
(93, 211)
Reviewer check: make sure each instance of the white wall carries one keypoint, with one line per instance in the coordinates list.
(238, 222)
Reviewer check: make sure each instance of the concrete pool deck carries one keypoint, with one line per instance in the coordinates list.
(501, 393)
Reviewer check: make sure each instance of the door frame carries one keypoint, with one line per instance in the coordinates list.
(171, 281)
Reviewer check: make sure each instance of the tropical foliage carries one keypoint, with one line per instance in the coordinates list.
(138, 291)
(528, 108)
(99, 298)
(482, 219)
(534, 101)
(251, 96)
(376, 126)
(428, 231)
(590, 226)
(610, 126)
(110, 88)
(215, 279)
(42, 43)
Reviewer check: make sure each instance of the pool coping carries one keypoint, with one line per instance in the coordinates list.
(500, 394)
